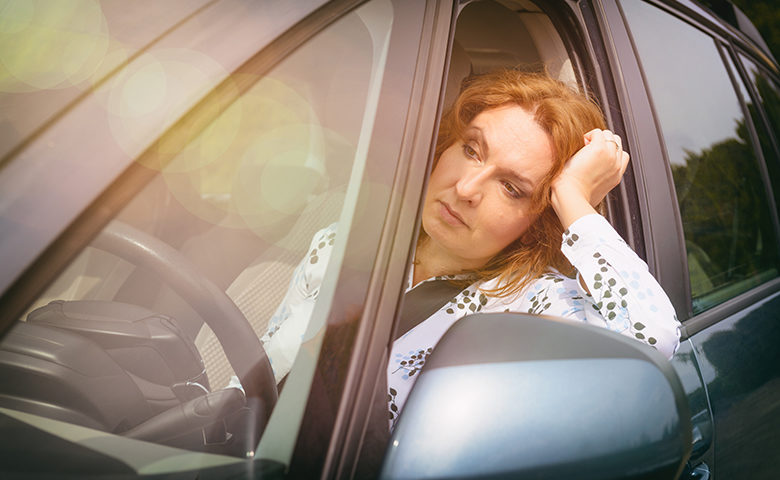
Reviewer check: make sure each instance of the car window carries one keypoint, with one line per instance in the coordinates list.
(723, 202)
(767, 101)
(240, 212)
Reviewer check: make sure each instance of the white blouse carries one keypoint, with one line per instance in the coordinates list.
(623, 297)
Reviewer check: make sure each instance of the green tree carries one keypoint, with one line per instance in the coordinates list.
(728, 228)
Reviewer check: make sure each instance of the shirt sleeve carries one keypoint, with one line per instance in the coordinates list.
(624, 296)
(286, 327)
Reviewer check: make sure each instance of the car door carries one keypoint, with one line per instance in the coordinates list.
(707, 179)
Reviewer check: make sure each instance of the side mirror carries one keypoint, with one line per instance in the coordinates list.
(508, 395)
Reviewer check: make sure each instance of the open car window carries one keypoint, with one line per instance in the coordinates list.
(506, 34)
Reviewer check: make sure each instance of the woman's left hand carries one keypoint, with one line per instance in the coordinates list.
(588, 176)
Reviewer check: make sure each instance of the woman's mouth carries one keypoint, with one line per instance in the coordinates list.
(450, 216)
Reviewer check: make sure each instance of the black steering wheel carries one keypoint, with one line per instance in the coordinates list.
(242, 348)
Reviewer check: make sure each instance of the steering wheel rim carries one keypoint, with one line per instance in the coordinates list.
(242, 348)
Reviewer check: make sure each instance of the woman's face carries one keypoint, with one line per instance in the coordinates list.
(479, 194)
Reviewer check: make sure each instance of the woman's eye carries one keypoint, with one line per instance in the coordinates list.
(470, 152)
(511, 190)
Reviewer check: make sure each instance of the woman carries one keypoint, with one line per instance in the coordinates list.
(521, 163)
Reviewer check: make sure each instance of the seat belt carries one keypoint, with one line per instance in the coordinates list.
(423, 301)
(419, 303)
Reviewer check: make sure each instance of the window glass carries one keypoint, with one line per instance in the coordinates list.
(727, 222)
(768, 97)
(242, 210)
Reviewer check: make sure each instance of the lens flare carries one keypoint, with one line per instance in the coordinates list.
(50, 44)
(144, 92)
(154, 91)
(259, 164)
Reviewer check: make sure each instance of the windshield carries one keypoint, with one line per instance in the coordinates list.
(148, 345)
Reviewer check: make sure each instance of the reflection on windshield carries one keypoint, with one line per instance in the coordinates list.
(52, 52)
(153, 332)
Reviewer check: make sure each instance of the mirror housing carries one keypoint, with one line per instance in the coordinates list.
(508, 395)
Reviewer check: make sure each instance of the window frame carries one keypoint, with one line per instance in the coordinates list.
(625, 205)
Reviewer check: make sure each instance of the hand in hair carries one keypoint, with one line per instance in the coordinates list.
(588, 176)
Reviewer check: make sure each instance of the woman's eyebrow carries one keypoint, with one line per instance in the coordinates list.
(516, 177)
(479, 136)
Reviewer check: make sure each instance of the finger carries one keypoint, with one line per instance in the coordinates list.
(610, 137)
(624, 162)
(620, 150)
(589, 137)
(593, 132)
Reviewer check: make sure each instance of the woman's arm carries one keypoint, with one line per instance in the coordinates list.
(283, 337)
(625, 297)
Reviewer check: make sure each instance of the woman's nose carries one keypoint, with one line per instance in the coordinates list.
(470, 186)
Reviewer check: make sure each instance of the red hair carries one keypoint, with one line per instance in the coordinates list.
(566, 115)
